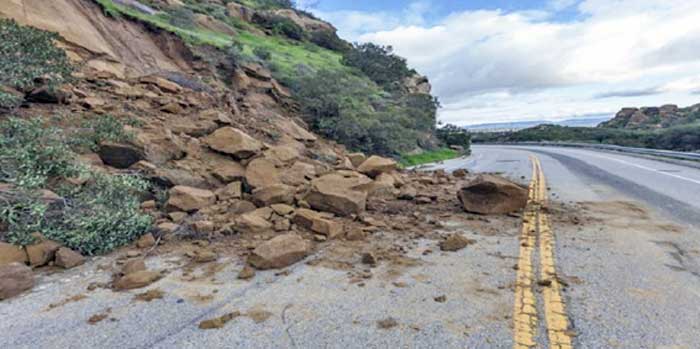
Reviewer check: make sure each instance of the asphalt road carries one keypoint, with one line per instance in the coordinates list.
(629, 263)
(636, 265)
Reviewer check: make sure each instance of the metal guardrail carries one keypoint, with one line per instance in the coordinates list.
(690, 156)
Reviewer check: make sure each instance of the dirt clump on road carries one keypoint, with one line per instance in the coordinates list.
(387, 323)
(218, 322)
(150, 295)
(455, 242)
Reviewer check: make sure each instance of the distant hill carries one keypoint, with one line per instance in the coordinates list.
(588, 121)
(650, 118)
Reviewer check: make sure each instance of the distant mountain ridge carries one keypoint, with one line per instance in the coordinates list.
(591, 121)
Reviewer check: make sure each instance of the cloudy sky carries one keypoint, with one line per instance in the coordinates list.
(516, 60)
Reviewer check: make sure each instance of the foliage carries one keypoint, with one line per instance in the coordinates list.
(31, 153)
(379, 63)
(182, 17)
(105, 128)
(96, 217)
(9, 101)
(354, 111)
(280, 25)
(27, 54)
(330, 40)
(429, 157)
(267, 4)
(454, 135)
(262, 53)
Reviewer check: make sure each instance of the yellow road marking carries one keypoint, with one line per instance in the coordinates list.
(525, 319)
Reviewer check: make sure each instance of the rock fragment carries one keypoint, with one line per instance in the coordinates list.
(280, 252)
(15, 278)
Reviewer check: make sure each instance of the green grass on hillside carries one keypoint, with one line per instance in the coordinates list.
(429, 156)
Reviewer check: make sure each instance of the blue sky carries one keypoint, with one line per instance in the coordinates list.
(493, 61)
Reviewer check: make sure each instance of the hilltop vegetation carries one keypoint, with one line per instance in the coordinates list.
(355, 95)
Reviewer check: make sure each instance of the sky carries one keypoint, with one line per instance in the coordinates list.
(519, 60)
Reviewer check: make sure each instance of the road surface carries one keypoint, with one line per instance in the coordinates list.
(640, 269)
(620, 233)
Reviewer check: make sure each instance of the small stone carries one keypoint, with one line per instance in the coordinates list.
(219, 322)
(246, 273)
(133, 265)
(146, 241)
(369, 259)
(138, 279)
(440, 299)
(387, 323)
(455, 242)
(67, 258)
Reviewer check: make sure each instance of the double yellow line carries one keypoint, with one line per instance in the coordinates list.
(525, 318)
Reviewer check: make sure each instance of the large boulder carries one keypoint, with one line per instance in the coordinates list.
(357, 158)
(376, 165)
(67, 258)
(340, 192)
(488, 194)
(234, 142)
(274, 194)
(262, 173)
(15, 278)
(119, 155)
(42, 253)
(12, 254)
(189, 199)
(298, 174)
(280, 252)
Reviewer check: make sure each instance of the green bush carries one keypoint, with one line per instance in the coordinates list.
(330, 40)
(9, 101)
(93, 218)
(105, 128)
(27, 54)
(280, 25)
(181, 17)
(379, 63)
(262, 53)
(454, 135)
(355, 112)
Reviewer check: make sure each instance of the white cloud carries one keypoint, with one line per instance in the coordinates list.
(492, 65)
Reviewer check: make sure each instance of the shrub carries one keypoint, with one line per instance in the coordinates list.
(99, 129)
(379, 63)
(235, 56)
(93, 218)
(355, 112)
(330, 40)
(27, 54)
(280, 25)
(9, 101)
(262, 53)
(182, 17)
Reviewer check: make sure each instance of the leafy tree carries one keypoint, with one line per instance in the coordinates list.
(379, 63)
(453, 135)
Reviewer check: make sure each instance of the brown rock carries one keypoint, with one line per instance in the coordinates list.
(133, 265)
(189, 199)
(274, 194)
(282, 154)
(455, 242)
(164, 84)
(280, 252)
(173, 108)
(357, 159)
(228, 171)
(12, 254)
(340, 193)
(119, 155)
(355, 234)
(67, 258)
(15, 278)
(204, 227)
(408, 193)
(218, 322)
(316, 222)
(246, 273)
(460, 173)
(233, 141)
(42, 253)
(298, 174)
(489, 194)
(203, 256)
(262, 173)
(167, 227)
(369, 259)
(282, 209)
(376, 165)
(255, 221)
(231, 191)
(138, 279)
(146, 241)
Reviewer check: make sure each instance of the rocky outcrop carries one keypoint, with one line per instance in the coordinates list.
(309, 24)
(488, 194)
(280, 252)
(417, 84)
(653, 117)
